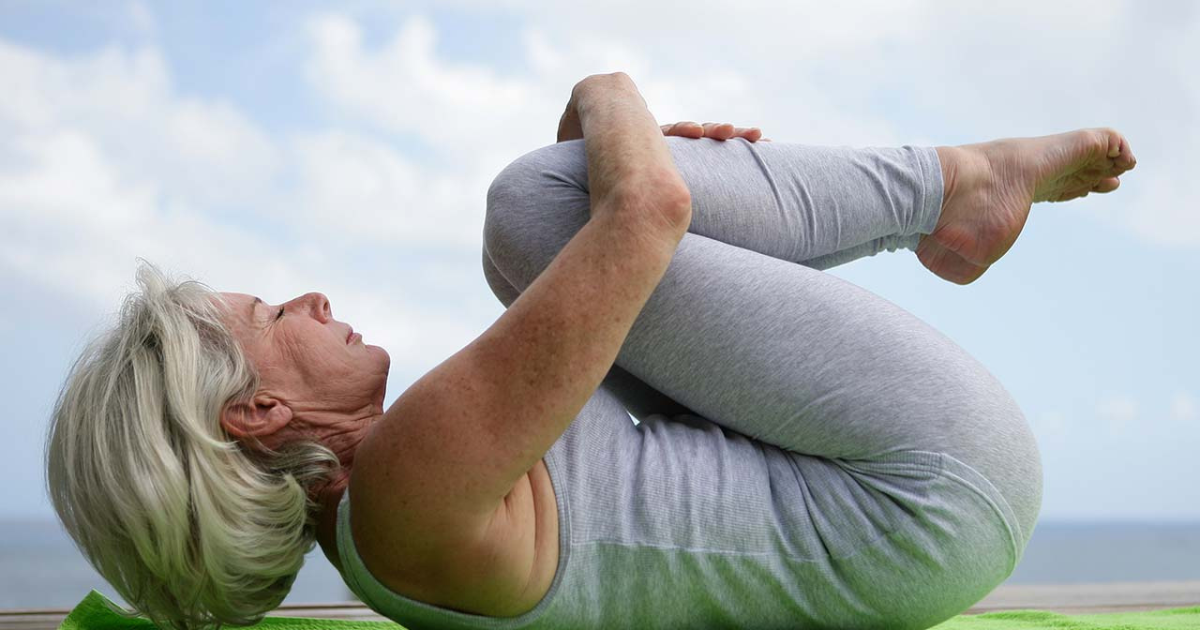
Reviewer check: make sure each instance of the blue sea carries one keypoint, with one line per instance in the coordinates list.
(40, 567)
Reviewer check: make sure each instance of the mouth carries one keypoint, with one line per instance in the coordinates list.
(349, 335)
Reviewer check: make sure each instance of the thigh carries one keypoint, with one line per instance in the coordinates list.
(818, 206)
(951, 541)
(774, 538)
(784, 353)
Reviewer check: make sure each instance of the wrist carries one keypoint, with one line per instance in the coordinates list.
(598, 90)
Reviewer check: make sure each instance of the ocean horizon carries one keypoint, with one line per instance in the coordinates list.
(41, 568)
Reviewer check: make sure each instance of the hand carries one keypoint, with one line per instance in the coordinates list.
(570, 125)
(716, 131)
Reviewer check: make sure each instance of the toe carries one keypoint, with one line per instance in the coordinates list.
(1106, 185)
(1074, 193)
(1114, 141)
(1126, 160)
(1119, 154)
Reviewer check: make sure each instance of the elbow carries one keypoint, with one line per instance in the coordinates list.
(662, 196)
(665, 190)
(677, 205)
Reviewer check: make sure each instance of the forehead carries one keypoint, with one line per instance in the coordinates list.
(239, 307)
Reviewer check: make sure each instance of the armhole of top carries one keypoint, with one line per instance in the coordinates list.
(358, 577)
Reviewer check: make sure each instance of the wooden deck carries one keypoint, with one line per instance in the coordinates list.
(1071, 599)
(1086, 599)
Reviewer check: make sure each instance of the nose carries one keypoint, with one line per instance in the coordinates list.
(318, 304)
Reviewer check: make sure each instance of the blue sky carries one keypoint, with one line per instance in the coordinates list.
(280, 148)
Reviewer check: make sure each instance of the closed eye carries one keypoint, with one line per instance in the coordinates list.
(280, 315)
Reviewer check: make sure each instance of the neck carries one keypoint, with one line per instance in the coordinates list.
(342, 434)
(343, 437)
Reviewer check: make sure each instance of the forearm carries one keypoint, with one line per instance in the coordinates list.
(478, 422)
(545, 357)
(626, 152)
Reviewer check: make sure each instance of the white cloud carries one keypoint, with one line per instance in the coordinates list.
(767, 29)
(1119, 411)
(142, 19)
(460, 109)
(1166, 210)
(404, 87)
(108, 156)
(364, 191)
(67, 215)
(1051, 424)
(105, 163)
(123, 101)
(814, 73)
(1183, 407)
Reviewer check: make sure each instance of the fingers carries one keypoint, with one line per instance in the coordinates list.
(716, 131)
(687, 129)
(725, 131)
(750, 133)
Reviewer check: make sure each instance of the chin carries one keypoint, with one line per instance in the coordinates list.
(385, 365)
(385, 360)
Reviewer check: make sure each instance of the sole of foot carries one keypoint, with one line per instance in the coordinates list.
(989, 188)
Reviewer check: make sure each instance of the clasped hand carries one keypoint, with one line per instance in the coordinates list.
(716, 131)
(570, 127)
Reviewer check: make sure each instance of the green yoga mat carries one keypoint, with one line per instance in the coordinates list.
(97, 612)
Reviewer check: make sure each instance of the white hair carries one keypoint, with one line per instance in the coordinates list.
(192, 528)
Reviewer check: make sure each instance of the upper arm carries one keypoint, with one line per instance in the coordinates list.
(453, 446)
(472, 563)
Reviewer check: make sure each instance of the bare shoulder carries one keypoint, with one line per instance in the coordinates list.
(497, 564)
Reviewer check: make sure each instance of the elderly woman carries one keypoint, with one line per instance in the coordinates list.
(809, 454)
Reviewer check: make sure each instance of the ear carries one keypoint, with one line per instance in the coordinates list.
(262, 416)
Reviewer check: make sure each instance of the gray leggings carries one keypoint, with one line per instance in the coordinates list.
(740, 334)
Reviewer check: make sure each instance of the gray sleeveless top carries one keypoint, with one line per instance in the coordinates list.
(678, 522)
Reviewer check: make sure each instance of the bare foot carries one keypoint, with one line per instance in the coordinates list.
(989, 188)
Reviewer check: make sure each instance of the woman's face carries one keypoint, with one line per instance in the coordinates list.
(305, 358)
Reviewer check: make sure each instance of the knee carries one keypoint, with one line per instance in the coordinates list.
(1005, 451)
(504, 217)
(1021, 479)
(500, 286)
(534, 206)
(970, 416)
(1024, 490)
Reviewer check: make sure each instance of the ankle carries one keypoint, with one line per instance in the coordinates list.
(951, 161)
(965, 172)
